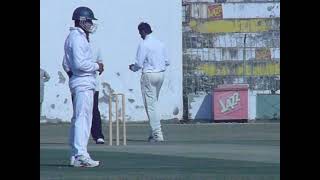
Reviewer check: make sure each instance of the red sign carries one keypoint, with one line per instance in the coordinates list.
(230, 103)
(215, 11)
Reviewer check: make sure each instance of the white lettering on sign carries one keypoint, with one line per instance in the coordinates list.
(230, 102)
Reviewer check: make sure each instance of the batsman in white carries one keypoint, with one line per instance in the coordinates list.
(78, 59)
(152, 59)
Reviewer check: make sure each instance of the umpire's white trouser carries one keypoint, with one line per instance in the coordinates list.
(150, 87)
(81, 122)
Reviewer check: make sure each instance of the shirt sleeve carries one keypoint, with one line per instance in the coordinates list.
(80, 61)
(65, 65)
(98, 59)
(140, 57)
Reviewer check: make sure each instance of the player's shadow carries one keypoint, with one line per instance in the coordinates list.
(136, 140)
(55, 165)
(131, 140)
(48, 143)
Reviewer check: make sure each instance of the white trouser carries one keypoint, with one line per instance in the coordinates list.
(81, 122)
(150, 87)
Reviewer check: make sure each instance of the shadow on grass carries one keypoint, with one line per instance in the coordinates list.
(55, 165)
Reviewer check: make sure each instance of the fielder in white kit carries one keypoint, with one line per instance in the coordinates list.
(78, 59)
(153, 60)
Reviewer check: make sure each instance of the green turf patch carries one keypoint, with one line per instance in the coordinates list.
(121, 165)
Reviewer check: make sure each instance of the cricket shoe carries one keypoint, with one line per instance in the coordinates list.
(82, 161)
(99, 141)
(156, 137)
(72, 159)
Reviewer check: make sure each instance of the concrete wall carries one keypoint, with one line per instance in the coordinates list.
(200, 105)
(231, 1)
(236, 10)
(268, 106)
(225, 42)
(118, 38)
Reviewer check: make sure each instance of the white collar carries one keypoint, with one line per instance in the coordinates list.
(148, 36)
(79, 29)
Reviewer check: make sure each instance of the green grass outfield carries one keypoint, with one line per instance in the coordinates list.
(226, 151)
